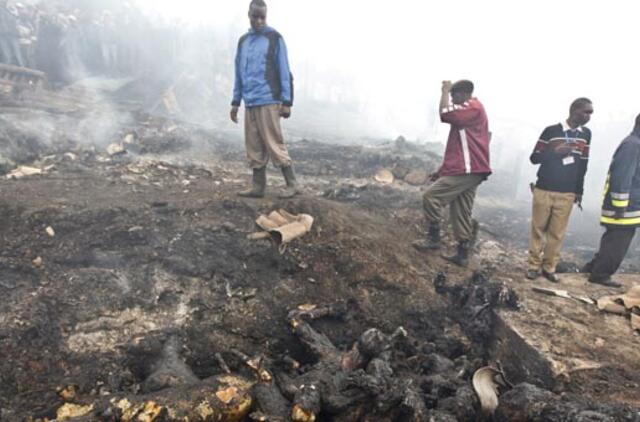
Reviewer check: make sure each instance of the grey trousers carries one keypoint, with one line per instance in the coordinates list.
(459, 192)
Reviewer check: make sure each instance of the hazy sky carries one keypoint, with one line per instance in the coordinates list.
(529, 60)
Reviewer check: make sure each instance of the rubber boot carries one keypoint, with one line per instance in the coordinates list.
(259, 184)
(292, 188)
(433, 240)
(461, 258)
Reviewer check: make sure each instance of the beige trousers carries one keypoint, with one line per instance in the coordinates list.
(263, 137)
(459, 192)
(549, 221)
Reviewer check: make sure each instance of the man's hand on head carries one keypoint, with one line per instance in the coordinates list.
(446, 86)
(285, 112)
(234, 114)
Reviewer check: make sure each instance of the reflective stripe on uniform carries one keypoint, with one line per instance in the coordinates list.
(611, 213)
(620, 221)
(620, 196)
(620, 204)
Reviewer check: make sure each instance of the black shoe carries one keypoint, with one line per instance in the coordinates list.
(461, 258)
(552, 277)
(604, 280)
(586, 268)
(532, 274)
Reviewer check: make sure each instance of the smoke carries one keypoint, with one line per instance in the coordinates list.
(385, 60)
(373, 69)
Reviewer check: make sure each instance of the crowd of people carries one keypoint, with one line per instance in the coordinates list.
(68, 40)
(17, 33)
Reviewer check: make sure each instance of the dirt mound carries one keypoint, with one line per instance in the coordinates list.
(320, 159)
(133, 279)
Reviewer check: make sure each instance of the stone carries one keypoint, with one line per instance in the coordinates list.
(416, 177)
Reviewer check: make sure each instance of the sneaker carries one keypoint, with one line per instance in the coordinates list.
(604, 280)
(552, 277)
(532, 274)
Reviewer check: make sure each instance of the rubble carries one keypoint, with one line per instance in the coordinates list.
(24, 171)
(116, 149)
(527, 402)
(627, 304)
(6, 165)
(224, 399)
(154, 304)
(416, 177)
(17, 79)
(486, 382)
(319, 159)
(563, 293)
(37, 262)
(384, 176)
(282, 227)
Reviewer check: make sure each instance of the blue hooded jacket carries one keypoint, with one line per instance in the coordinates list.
(262, 74)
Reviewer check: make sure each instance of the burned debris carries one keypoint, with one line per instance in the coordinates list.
(137, 286)
(162, 308)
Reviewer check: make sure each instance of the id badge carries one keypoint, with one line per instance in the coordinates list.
(568, 160)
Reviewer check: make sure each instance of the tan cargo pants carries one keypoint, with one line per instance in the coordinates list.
(459, 192)
(549, 221)
(263, 137)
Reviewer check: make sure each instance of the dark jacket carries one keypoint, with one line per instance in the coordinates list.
(622, 190)
(262, 73)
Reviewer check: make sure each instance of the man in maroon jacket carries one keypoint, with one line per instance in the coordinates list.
(466, 165)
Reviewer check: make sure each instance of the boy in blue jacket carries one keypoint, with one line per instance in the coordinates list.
(264, 82)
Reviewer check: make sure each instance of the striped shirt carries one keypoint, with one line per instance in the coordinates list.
(562, 172)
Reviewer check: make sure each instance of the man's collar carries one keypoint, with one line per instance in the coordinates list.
(566, 127)
(264, 30)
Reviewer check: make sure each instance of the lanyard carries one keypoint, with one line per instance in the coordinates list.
(570, 140)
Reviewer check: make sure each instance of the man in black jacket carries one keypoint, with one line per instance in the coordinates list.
(563, 154)
(620, 210)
